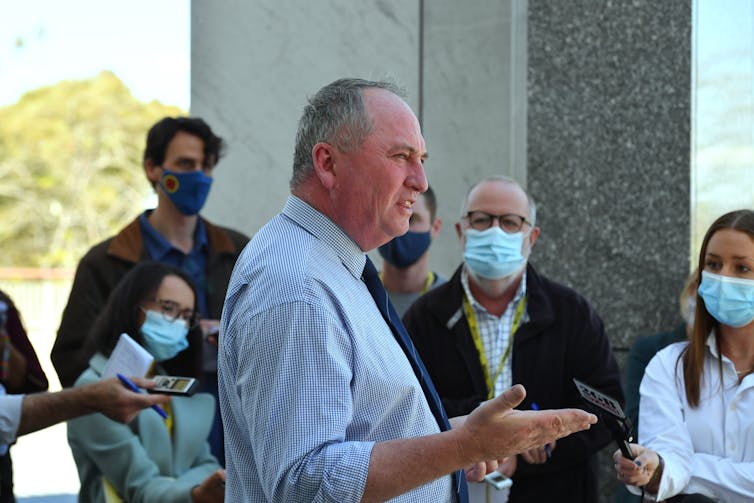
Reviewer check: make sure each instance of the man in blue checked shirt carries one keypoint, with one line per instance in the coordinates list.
(322, 397)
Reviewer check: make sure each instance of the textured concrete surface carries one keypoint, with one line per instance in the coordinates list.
(608, 159)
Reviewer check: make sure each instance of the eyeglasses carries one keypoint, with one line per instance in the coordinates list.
(510, 222)
(171, 311)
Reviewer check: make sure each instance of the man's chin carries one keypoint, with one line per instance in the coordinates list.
(503, 282)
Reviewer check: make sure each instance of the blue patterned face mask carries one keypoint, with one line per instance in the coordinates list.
(188, 191)
(729, 300)
(403, 251)
(162, 337)
(493, 253)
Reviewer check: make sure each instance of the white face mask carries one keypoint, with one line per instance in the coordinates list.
(493, 253)
(162, 337)
(729, 300)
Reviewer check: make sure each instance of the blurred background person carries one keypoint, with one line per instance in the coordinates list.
(179, 161)
(20, 373)
(499, 322)
(642, 351)
(405, 259)
(151, 458)
(696, 440)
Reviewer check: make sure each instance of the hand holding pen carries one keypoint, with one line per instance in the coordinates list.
(130, 385)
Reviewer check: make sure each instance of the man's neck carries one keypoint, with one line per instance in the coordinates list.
(494, 294)
(413, 279)
(174, 226)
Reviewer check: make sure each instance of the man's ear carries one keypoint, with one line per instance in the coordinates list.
(153, 172)
(459, 231)
(533, 237)
(323, 158)
(436, 227)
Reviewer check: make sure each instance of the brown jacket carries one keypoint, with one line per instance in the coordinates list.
(102, 268)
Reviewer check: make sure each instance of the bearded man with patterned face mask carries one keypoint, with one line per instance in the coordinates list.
(179, 161)
(498, 322)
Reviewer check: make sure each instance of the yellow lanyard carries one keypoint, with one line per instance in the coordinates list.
(430, 280)
(427, 285)
(474, 328)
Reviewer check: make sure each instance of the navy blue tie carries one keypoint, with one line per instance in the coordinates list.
(379, 294)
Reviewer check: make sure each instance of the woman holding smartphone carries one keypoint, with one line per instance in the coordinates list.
(696, 435)
(152, 458)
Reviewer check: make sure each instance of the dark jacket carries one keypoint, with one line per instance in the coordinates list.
(563, 338)
(36, 380)
(102, 268)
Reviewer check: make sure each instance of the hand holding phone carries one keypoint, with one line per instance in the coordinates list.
(174, 385)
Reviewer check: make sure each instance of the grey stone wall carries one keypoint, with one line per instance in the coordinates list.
(608, 157)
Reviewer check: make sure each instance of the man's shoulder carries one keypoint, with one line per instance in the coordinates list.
(556, 291)
(224, 240)
(100, 252)
(442, 300)
(238, 238)
(282, 257)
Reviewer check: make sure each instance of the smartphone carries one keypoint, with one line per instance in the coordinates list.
(616, 421)
(174, 385)
(498, 480)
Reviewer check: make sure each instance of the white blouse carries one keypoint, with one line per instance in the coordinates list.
(708, 449)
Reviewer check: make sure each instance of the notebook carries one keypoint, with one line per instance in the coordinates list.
(128, 358)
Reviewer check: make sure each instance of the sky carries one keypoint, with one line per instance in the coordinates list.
(146, 43)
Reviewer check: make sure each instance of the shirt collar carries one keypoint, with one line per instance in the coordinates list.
(321, 227)
(520, 291)
(156, 243)
(712, 344)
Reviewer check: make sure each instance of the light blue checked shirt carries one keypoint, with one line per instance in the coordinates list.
(310, 375)
(495, 332)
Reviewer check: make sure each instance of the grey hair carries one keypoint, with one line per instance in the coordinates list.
(335, 115)
(504, 179)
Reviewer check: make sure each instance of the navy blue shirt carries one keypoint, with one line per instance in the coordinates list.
(194, 263)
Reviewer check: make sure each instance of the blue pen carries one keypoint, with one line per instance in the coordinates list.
(130, 385)
(548, 452)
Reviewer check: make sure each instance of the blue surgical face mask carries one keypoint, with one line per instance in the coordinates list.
(404, 251)
(729, 300)
(188, 191)
(164, 338)
(493, 253)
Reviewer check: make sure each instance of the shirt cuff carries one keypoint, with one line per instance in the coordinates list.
(10, 418)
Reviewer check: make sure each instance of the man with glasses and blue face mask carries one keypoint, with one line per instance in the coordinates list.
(179, 161)
(498, 322)
(405, 268)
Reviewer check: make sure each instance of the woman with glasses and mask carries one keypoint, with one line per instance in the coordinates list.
(152, 458)
(696, 441)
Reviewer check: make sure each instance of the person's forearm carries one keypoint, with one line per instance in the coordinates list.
(397, 466)
(41, 410)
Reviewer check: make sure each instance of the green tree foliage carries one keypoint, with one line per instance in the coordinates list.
(70, 168)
